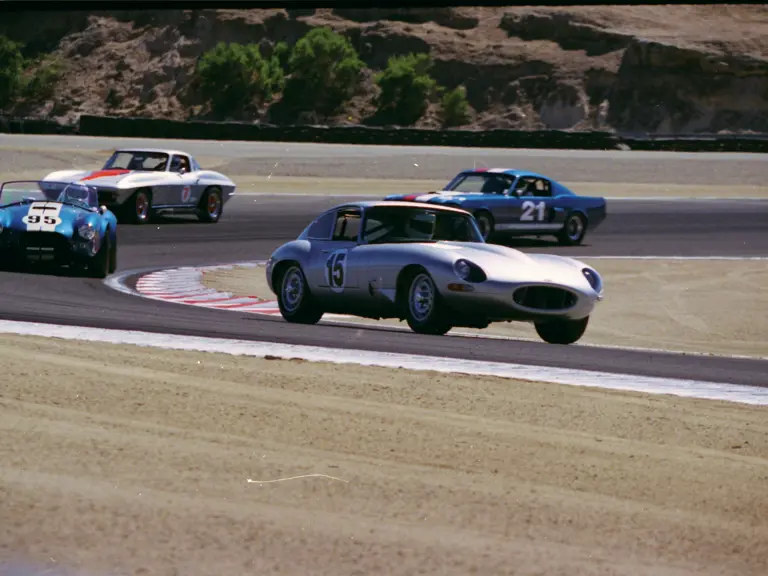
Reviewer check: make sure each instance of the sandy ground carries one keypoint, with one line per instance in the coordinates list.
(115, 458)
(672, 305)
(23, 164)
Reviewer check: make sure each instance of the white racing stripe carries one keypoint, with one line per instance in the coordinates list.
(43, 217)
(675, 387)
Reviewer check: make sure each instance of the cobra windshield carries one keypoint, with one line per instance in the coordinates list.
(79, 194)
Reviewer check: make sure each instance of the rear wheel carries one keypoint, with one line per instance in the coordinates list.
(294, 298)
(424, 310)
(485, 223)
(210, 207)
(561, 331)
(573, 231)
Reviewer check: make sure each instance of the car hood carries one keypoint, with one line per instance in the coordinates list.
(504, 264)
(105, 178)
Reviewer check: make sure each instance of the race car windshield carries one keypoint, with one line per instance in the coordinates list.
(390, 225)
(144, 161)
(12, 192)
(485, 183)
(79, 194)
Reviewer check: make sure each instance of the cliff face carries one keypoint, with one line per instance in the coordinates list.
(624, 68)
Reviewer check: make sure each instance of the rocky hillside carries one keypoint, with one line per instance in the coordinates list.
(626, 68)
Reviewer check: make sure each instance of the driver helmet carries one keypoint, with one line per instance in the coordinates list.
(421, 226)
(76, 193)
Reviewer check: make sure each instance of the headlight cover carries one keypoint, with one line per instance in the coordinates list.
(594, 279)
(469, 271)
(86, 231)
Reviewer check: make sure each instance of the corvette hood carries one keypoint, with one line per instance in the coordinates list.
(105, 178)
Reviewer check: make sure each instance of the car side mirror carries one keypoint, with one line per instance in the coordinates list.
(182, 170)
(102, 210)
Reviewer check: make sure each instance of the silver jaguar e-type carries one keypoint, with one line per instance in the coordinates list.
(426, 264)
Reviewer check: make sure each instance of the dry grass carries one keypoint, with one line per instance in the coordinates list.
(674, 305)
(117, 457)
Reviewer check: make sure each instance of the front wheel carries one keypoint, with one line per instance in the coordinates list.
(294, 298)
(100, 264)
(139, 208)
(485, 223)
(573, 231)
(561, 331)
(210, 206)
(424, 311)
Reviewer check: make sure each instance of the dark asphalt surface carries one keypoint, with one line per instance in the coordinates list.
(254, 225)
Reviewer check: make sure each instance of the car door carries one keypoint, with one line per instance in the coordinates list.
(181, 189)
(334, 269)
(533, 202)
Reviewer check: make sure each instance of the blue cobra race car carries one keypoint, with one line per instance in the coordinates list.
(518, 203)
(56, 222)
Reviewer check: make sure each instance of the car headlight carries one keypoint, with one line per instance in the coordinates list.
(594, 279)
(469, 271)
(86, 231)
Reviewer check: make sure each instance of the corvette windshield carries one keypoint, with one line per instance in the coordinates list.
(137, 160)
(486, 183)
(384, 224)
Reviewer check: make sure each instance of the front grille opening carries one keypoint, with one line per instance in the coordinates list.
(544, 298)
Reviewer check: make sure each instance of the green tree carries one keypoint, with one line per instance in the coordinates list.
(454, 109)
(11, 69)
(325, 71)
(406, 88)
(233, 75)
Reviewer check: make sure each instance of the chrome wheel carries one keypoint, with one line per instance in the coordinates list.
(575, 228)
(142, 207)
(214, 205)
(292, 290)
(421, 300)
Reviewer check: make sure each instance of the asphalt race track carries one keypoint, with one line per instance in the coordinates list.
(252, 226)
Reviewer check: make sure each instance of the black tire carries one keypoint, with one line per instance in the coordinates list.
(112, 256)
(423, 306)
(561, 331)
(573, 231)
(139, 208)
(99, 265)
(294, 298)
(211, 206)
(485, 223)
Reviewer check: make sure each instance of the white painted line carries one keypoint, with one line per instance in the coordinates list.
(675, 387)
(731, 258)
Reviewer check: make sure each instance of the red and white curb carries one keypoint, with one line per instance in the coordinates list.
(185, 286)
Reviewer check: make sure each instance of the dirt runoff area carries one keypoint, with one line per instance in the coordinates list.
(127, 460)
(674, 305)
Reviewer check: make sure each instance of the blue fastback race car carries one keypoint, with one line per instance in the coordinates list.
(57, 222)
(518, 203)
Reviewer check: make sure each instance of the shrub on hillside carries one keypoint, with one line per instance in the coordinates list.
(233, 75)
(406, 88)
(325, 71)
(454, 108)
(11, 69)
(41, 84)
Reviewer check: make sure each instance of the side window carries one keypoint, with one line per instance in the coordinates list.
(320, 229)
(347, 226)
(180, 162)
(543, 187)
